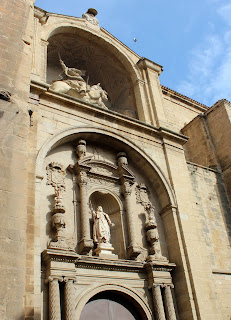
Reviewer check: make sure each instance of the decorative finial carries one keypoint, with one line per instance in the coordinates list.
(92, 11)
(90, 16)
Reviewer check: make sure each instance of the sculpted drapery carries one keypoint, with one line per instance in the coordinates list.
(101, 227)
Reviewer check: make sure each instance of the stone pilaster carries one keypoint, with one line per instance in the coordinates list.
(150, 73)
(69, 299)
(143, 105)
(168, 302)
(54, 299)
(158, 302)
(44, 45)
(86, 243)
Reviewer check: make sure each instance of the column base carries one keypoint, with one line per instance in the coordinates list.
(85, 245)
(60, 245)
(133, 252)
(104, 251)
(157, 259)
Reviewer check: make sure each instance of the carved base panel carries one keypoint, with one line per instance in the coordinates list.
(133, 252)
(85, 246)
(104, 251)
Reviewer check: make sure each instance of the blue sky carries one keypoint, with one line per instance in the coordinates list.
(190, 39)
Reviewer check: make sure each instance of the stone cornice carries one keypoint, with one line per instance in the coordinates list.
(180, 97)
(145, 63)
(219, 103)
(41, 88)
(59, 256)
(120, 265)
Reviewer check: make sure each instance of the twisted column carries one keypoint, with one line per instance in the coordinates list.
(54, 299)
(84, 208)
(130, 221)
(86, 243)
(158, 302)
(169, 306)
(68, 299)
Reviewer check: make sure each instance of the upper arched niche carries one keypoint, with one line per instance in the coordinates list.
(82, 50)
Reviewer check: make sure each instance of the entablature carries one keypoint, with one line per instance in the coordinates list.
(41, 91)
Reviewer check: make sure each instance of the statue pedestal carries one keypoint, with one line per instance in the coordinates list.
(104, 251)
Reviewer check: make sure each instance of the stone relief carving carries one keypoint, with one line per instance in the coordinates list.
(101, 170)
(90, 16)
(56, 178)
(142, 197)
(100, 66)
(74, 85)
(81, 149)
(82, 178)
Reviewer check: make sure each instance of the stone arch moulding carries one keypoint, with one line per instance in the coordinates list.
(102, 36)
(70, 134)
(93, 290)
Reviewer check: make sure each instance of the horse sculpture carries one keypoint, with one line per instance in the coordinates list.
(77, 87)
(90, 94)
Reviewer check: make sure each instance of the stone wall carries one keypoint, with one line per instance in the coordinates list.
(16, 27)
(210, 200)
(192, 210)
(209, 140)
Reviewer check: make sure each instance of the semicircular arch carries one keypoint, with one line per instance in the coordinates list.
(104, 38)
(93, 290)
(127, 145)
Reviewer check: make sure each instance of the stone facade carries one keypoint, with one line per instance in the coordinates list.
(85, 123)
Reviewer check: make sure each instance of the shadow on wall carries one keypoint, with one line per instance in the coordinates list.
(29, 315)
(224, 204)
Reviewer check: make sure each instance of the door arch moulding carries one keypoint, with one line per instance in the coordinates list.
(93, 290)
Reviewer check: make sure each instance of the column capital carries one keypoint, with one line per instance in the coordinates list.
(127, 188)
(53, 278)
(82, 178)
(69, 279)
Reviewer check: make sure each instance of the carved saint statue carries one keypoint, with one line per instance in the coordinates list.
(101, 227)
(75, 77)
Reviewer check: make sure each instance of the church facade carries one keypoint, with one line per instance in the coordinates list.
(115, 190)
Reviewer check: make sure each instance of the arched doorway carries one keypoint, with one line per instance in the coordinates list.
(112, 305)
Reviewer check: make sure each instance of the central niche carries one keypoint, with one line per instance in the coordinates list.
(110, 206)
(83, 52)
